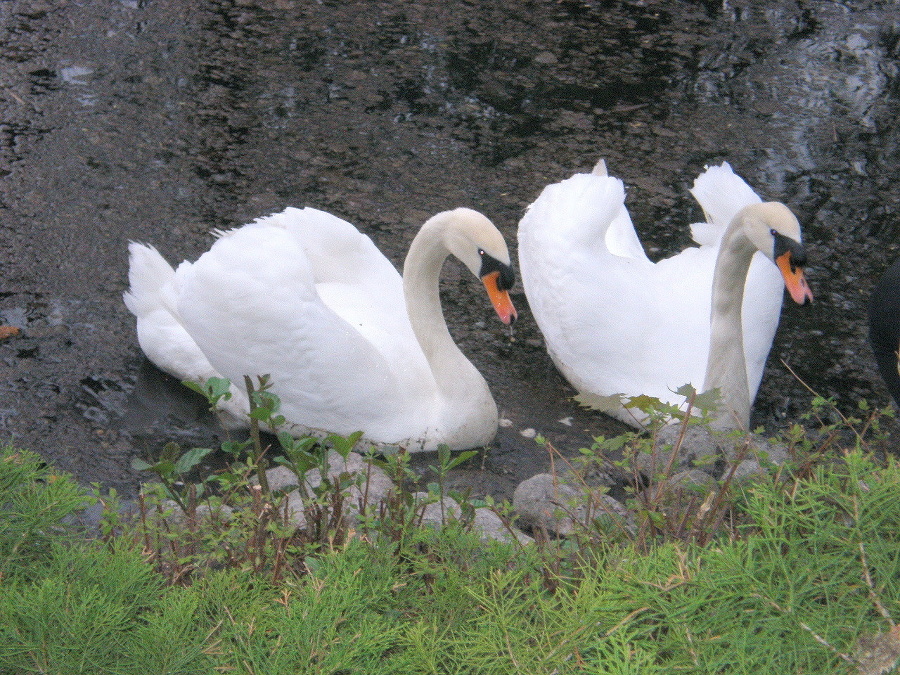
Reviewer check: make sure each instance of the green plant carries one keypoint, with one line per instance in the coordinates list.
(445, 464)
(808, 582)
(92, 610)
(793, 572)
(34, 499)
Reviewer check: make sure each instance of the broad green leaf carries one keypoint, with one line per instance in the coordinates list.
(190, 459)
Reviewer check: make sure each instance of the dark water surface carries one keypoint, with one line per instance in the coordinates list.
(158, 120)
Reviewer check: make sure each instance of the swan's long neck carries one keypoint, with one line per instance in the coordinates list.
(726, 367)
(421, 272)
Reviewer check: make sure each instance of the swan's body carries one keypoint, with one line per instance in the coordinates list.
(349, 345)
(616, 323)
(884, 327)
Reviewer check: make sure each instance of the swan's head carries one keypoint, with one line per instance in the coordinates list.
(474, 239)
(774, 230)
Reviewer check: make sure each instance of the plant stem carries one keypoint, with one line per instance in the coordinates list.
(259, 458)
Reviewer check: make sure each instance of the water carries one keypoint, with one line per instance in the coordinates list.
(156, 121)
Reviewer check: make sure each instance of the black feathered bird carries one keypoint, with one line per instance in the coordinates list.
(884, 327)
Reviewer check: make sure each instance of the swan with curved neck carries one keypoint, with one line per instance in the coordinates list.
(771, 228)
(349, 345)
(617, 324)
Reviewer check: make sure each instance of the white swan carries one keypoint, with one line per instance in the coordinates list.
(349, 344)
(616, 323)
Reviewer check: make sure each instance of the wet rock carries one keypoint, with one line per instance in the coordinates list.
(693, 480)
(279, 478)
(438, 513)
(589, 474)
(372, 488)
(768, 452)
(748, 470)
(485, 521)
(699, 448)
(548, 503)
(492, 526)
(203, 514)
(709, 450)
(91, 517)
(295, 510)
(683, 486)
(369, 482)
(370, 485)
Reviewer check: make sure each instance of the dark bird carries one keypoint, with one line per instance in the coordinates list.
(884, 327)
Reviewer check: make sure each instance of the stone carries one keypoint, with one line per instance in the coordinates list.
(485, 521)
(491, 527)
(296, 513)
(436, 515)
(683, 486)
(698, 449)
(374, 484)
(278, 477)
(545, 502)
(371, 485)
(748, 470)
(175, 517)
(709, 450)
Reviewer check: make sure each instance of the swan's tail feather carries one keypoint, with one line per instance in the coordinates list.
(149, 275)
(161, 335)
(706, 234)
(585, 210)
(721, 193)
(582, 206)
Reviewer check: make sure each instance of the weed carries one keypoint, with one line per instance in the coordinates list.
(796, 571)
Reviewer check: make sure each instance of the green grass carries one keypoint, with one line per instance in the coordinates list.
(814, 567)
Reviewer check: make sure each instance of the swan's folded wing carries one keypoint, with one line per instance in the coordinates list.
(335, 249)
(353, 278)
(585, 211)
(621, 238)
(252, 306)
(582, 293)
(721, 193)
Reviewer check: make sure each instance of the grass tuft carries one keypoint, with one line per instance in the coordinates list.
(799, 572)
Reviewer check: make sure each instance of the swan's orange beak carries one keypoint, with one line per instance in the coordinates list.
(499, 298)
(794, 279)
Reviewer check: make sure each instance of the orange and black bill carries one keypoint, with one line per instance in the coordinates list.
(498, 278)
(791, 258)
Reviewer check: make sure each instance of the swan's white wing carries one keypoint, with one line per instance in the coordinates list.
(656, 323)
(721, 193)
(589, 211)
(606, 315)
(357, 282)
(253, 305)
(648, 331)
(561, 235)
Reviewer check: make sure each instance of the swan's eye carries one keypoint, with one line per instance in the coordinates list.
(773, 232)
(481, 252)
